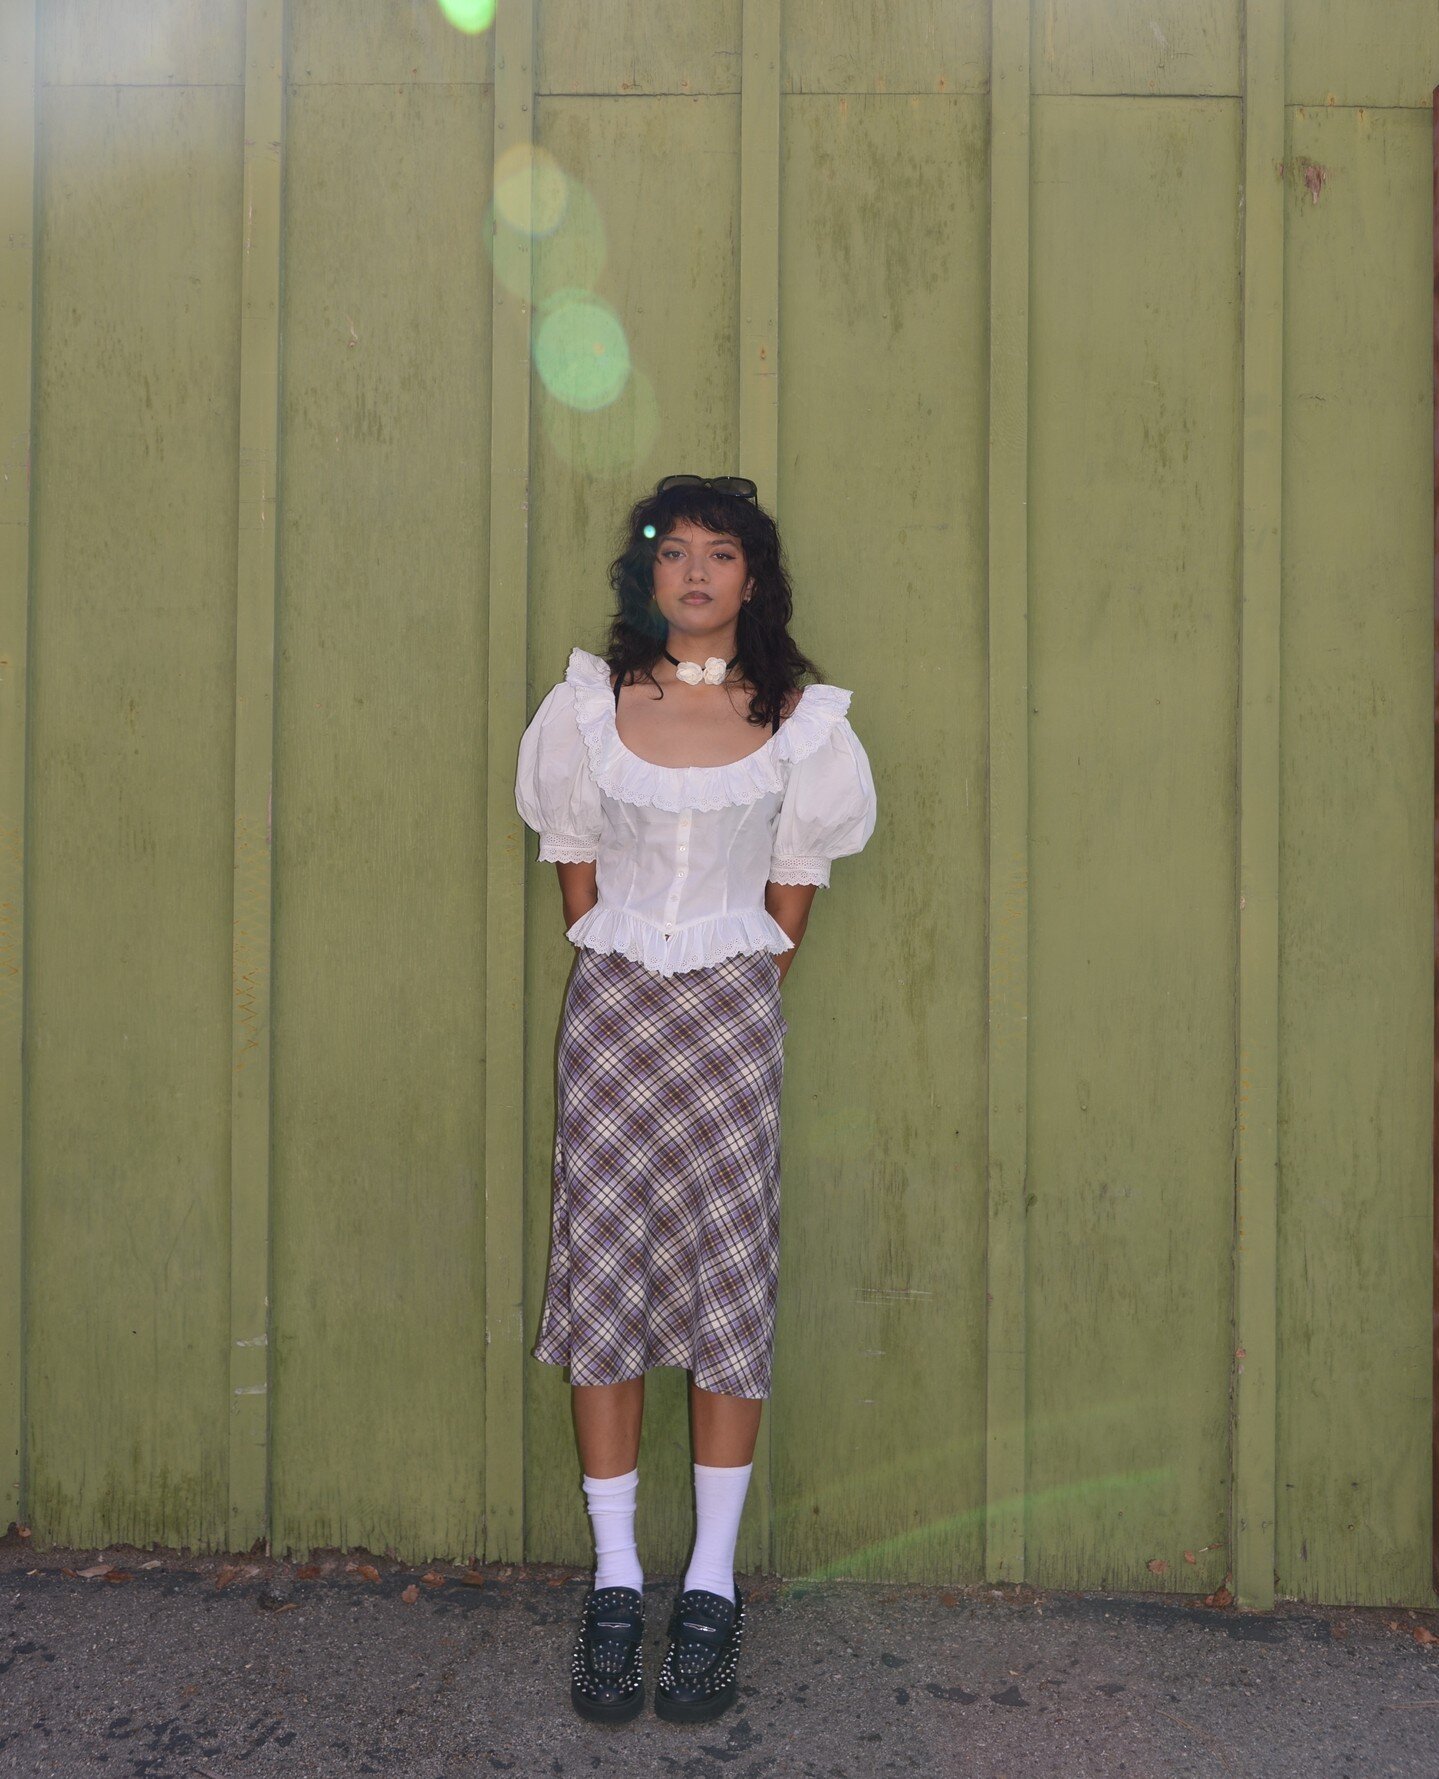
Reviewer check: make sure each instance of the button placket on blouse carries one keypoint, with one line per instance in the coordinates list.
(682, 849)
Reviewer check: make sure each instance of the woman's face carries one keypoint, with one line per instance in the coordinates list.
(700, 578)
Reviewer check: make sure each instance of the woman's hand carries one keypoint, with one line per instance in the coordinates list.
(789, 903)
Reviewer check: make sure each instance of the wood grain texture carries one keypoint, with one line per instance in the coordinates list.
(398, 46)
(907, 46)
(172, 43)
(18, 119)
(1007, 926)
(1133, 550)
(130, 872)
(380, 823)
(1348, 52)
(1139, 47)
(256, 589)
(879, 1394)
(511, 338)
(1355, 1207)
(1253, 1383)
(647, 47)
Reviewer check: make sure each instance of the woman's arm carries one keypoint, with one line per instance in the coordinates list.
(578, 890)
(789, 903)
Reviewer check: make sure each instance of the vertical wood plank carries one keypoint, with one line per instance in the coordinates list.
(505, 850)
(1134, 480)
(1434, 1101)
(256, 587)
(1008, 792)
(378, 1031)
(759, 404)
(1252, 1503)
(878, 1434)
(17, 271)
(1354, 1152)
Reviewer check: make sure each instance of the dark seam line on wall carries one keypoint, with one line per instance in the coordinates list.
(1148, 98)
(1290, 105)
(238, 86)
(889, 92)
(479, 86)
(726, 92)
(142, 86)
(1358, 105)
(797, 93)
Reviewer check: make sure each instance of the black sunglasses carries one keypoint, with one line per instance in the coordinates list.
(740, 485)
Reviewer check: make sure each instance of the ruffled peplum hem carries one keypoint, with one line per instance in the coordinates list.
(629, 779)
(693, 946)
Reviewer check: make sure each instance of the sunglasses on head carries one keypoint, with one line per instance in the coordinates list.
(740, 485)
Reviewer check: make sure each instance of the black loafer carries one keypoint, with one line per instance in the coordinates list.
(607, 1682)
(698, 1678)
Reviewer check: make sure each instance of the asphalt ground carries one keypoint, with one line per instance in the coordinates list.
(162, 1664)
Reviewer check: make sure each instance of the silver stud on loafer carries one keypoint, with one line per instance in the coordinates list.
(698, 1679)
(607, 1663)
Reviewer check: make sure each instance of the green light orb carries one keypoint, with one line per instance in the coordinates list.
(582, 354)
(531, 190)
(649, 530)
(469, 15)
(607, 445)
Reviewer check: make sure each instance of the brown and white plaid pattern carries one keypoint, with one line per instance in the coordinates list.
(665, 1217)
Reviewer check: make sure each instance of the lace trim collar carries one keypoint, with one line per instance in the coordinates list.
(629, 779)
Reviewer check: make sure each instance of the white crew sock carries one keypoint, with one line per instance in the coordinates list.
(611, 1501)
(719, 1499)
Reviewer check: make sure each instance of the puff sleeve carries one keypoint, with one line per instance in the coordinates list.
(554, 790)
(828, 809)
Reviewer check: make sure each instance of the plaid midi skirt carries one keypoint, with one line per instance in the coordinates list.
(664, 1236)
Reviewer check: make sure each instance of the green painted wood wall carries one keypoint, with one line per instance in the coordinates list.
(1083, 350)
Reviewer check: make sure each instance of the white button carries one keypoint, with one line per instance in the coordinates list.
(683, 871)
(683, 847)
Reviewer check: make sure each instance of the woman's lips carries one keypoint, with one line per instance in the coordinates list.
(694, 598)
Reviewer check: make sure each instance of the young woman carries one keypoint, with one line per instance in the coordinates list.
(688, 854)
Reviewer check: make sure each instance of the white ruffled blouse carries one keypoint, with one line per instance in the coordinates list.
(683, 853)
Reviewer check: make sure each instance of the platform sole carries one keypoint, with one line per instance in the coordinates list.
(608, 1711)
(696, 1710)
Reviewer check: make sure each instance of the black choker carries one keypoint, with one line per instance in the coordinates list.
(728, 664)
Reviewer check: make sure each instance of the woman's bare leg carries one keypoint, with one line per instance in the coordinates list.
(723, 1429)
(607, 1419)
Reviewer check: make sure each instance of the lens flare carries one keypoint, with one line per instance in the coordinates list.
(582, 354)
(543, 235)
(532, 190)
(611, 441)
(469, 15)
(929, 1546)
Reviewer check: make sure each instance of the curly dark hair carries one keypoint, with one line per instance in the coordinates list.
(769, 658)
